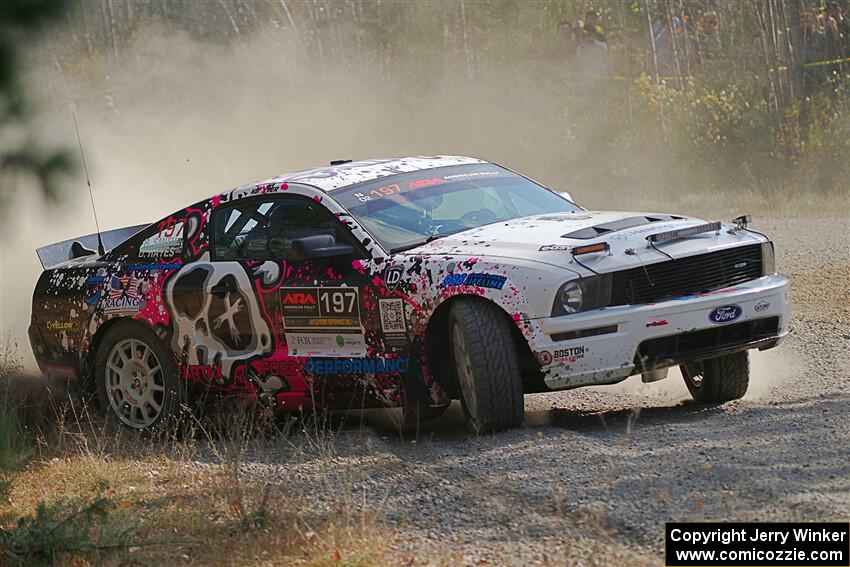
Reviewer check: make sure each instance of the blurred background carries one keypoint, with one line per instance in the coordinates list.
(708, 107)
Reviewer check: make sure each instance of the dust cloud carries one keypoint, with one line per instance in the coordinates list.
(768, 370)
(181, 119)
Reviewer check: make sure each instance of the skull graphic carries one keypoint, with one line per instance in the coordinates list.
(216, 317)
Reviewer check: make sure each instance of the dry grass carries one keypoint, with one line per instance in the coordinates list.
(161, 501)
(208, 498)
(186, 516)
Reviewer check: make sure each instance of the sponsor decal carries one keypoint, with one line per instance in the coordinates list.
(660, 323)
(203, 372)
(278, 367)
(67, 373)
(263, 370)
(761, 306)
(425, 182)
(326, 344)
(148, 267)
(393, 323)
(706, 294)
(544, 357)
(478, 280)
(299, 301)
(167, 242)
(472, 175)
(322, 321)
(392, 276)
(124, 295)
(60, 325)
(554, 247)
(94, 289)
(725, 314)
(357, 366)
(571, 354)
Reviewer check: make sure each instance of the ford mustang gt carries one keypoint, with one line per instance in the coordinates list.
(401, 282)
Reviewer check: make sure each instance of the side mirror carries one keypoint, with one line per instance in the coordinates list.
(320, 246)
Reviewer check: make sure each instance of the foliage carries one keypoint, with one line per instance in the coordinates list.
(65, 527)
(19, 19)
(736, 117)
(15, 442)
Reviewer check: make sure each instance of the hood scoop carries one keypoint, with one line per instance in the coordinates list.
(614, 226)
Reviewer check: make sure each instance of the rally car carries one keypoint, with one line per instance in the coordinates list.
(402, 282)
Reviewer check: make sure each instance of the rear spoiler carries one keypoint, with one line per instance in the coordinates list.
(54, 254)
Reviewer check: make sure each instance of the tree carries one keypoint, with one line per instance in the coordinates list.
(19, 153)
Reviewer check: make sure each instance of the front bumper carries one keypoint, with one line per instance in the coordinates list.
(606, 345)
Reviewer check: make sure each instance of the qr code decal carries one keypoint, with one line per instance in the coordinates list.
(392, 315)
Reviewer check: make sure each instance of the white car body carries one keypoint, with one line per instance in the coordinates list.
(516, 249)
(656, 290)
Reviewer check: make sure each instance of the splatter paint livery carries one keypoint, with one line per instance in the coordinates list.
(401, 282)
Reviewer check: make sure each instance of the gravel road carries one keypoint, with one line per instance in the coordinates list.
(594, 473)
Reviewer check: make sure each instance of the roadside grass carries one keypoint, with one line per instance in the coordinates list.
(78, 492)
(75, 491)
(155, 510)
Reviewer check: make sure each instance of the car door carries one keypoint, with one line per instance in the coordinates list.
(298, 258)
(320, 299)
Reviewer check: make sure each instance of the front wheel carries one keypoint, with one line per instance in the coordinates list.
(137, 381)
(718, 380)
(486, 366)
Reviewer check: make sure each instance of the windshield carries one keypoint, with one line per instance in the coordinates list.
(406, 210)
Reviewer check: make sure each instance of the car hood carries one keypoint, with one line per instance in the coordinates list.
(548, 238)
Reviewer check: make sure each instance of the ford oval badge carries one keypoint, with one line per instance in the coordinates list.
(725, 314)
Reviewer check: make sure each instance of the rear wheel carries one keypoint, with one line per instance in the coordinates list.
(137, 381)
(719, 379)
(486, 366)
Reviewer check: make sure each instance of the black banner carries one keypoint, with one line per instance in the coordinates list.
(742, 544)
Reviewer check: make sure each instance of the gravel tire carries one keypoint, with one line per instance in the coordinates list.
(718, 380)
(486, 366)
(160, 386)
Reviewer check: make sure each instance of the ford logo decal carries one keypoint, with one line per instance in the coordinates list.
(725, 314)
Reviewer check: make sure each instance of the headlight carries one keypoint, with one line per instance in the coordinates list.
(583, 294)
(571, 297)
(768, 258)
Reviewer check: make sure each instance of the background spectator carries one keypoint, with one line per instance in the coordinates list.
(592, 61)
(672, 47)
(707, 36)
(837, 28)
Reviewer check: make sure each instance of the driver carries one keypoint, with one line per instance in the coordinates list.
(412, 215)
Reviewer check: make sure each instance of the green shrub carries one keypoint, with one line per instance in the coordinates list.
(65, 527)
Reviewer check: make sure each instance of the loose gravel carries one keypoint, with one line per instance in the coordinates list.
(594, 473)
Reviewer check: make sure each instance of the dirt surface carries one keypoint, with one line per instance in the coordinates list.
(593, 474)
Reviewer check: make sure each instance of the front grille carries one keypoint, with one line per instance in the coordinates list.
(687, 276)
(693, 345)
